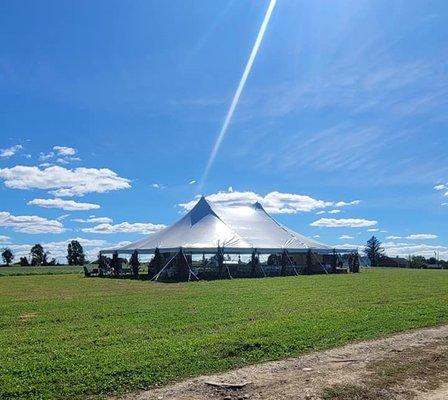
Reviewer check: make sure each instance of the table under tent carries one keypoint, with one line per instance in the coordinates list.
(215, 241)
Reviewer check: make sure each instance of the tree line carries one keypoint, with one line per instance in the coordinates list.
(375, 253)
(39, 257)
(75, 256)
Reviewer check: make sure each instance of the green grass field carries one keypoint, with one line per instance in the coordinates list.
(65, 336)
(52, 270)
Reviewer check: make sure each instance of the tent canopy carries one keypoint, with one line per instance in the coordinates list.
(236, 229)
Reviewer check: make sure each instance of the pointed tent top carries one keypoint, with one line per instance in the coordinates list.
(200, 210)
(258, 206)
(209, 225)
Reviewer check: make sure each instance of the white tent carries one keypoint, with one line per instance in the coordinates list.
(234, 229)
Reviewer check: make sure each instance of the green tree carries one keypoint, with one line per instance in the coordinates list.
(24, 262)
(373, 251)
(75, 253)
(417, 262)
(7, 256)
(38, 255)
(156, 264)
(135, 263)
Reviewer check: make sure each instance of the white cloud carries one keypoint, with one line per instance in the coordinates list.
(64, 155)
(443, 187)
(65, 182)
(406, 249)
(192, 182)
(64, 151)
(46, 157)
(68, 205)
(422, 236)
(4, 239)
(273, 202)
(316, 236)
(393, 237)
(320, 212)
(30, 223)
(158, 186)
(346, 237)
(350, 203)
(373, 230)
(67, 160)
(94, 220)
(125, 227)
(10, 151)
(334, 211)
(343, 222)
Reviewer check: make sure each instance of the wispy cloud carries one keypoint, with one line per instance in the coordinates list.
(60, 154)
(157, 186)
(422, 236)
(30, 223)
(125, 227)
(4, 239)
(358, 86)
(346, 237)
(68, 205)
(343, 222)
(10, 151)
(93, 220)
(64, 151)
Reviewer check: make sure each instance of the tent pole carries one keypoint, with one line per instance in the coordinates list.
(325, 270)
(163, 269)
(190, 271)
(261, 266)
(292, 264)
(224, 263)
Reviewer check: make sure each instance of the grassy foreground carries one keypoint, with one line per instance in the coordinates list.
(65, 336)
(51, 270)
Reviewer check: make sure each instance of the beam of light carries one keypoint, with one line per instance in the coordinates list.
(238, 92)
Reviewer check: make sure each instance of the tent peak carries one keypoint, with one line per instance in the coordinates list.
(258, 206)
(200, 210)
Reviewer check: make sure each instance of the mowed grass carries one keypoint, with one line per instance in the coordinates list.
(50, 270)
(65, 336)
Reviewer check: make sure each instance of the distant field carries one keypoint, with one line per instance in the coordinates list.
(54, 270)
(66, 336)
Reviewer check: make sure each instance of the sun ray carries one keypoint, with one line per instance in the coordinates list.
(237, 94)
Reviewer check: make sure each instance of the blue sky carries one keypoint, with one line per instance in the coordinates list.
(118, 105)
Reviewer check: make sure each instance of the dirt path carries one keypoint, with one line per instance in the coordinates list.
(411, 365)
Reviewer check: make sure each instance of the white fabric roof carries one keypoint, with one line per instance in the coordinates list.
(241, 229)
